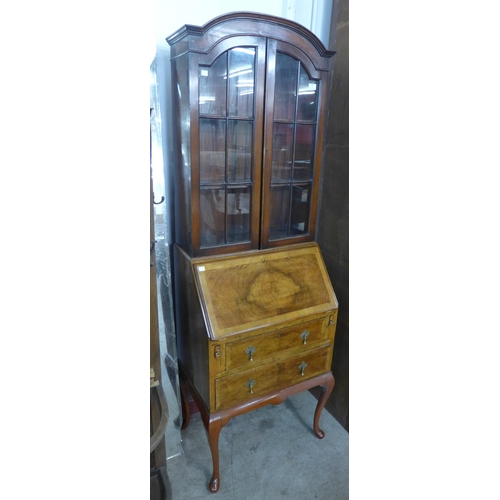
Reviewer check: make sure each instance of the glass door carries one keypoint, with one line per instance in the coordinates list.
(230, 138)
(292, 109)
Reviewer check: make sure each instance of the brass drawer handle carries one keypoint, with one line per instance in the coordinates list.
(250, 352)
(250, 385)
(304, 336)
(302, 367)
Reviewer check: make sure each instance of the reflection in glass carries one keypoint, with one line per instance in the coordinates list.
(212, 97)
(212, 210)
(280, 212)
(307, 97)
(286, 87)
(238, 215)
(304, 151)
(239, 150)
(212, 150)
(241, 82)
(300, 209)
(293, 143)
(282, 151)
(226, 147)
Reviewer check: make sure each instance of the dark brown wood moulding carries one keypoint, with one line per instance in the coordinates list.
(190, 29)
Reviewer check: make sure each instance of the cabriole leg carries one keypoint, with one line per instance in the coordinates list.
(214, 428)
(185, 406)
(326, 390)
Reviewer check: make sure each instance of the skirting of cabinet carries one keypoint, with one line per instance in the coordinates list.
(214, 422)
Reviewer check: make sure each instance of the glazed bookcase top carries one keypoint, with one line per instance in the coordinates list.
(250, 95)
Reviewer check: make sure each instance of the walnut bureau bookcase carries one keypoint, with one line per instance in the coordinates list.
(255, 309)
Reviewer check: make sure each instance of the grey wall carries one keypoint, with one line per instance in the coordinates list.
(333, 234)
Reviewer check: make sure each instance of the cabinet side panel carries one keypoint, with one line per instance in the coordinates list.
(192, 343)
(182, 151)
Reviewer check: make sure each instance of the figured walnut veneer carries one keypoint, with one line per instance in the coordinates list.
(275, 344)
(242, 293)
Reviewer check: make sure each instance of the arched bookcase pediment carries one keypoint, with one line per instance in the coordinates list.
(202, 39)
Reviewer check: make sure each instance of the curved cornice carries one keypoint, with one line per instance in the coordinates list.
(190, 29)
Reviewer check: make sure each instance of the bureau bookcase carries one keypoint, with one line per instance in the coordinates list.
(255, 309)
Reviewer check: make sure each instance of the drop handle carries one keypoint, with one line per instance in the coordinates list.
(302, 367)
(250, 352)
(304, 336)
(250, 385)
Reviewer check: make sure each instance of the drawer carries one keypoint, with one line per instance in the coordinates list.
(243, 386)
(276, 345)
(298, 368)
(235, 389)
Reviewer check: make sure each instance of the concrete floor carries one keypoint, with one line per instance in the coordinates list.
(266, 454)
